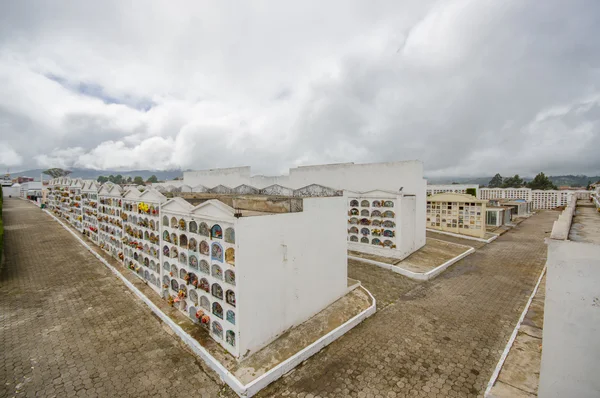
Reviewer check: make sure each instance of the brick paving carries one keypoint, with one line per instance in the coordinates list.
(69, 328)
(441, 338)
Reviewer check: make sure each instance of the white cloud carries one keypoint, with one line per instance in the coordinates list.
(8, 156)
(469, 87)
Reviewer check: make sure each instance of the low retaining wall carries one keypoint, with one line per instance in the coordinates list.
(562, 226)
(419, 276)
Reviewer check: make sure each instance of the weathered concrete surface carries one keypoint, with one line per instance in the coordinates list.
(68, 327)
(502, 390)
(453, 239)
(432, 255)
(586, 223)
(520, 373)
(302, 336)
(571, 353)
(441, 338)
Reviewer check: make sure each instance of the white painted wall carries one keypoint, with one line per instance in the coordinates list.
(289, 267)
(11, 191)
(389, 176)
(571, 354)
(408, 226)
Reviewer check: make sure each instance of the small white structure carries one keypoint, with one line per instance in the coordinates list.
(248, 276)
(381, 223)
(30, 190)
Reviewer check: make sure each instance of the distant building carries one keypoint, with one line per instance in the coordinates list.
(451, 188)
(505, 193)
(457, 213)
(540, 199)
(23, 179)
(5, 180)
(31, 190)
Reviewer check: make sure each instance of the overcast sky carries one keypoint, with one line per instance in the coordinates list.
(469, 87)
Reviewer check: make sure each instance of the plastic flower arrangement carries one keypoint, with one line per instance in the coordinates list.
(181, 294)
(143, 208)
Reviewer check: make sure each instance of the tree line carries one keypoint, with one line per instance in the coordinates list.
(119, 179)
(541, 181)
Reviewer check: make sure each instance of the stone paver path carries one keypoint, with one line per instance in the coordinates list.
(436, 339)
(67, 327)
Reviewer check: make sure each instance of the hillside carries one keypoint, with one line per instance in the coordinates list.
(94, 174)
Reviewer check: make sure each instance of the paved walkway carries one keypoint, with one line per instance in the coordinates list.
(436, 339)
(68, 327)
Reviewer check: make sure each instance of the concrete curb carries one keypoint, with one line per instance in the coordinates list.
(226, 376)
(493, 238)
(513, 336)
(417, 275)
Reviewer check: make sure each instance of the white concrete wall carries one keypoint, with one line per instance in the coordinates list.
(571, 335)
(12, 191)
(408, 227)
(389, 176)
(289, 267)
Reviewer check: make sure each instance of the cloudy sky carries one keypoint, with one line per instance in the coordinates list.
(470, 87)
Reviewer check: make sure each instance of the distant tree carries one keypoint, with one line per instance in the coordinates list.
(119, 179)
(472, 191)
(55, 173)
(138, 180)
(513, 182)
(111, 178)
(102, 179)
(178, 178)
(128, 180)
(153, 179)
(541, 181)
(589, 186)
(496, 181)
(455, 183)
